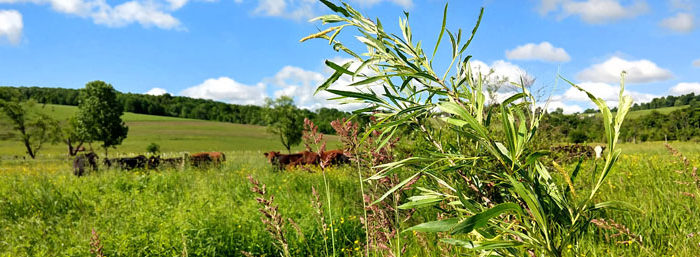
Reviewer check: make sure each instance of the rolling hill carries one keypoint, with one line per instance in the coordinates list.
(172, 134)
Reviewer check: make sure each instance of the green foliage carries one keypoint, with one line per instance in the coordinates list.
(501, 172)
(99, 117)
(284, 120)
(174, 106)
(34, 128)
(153, 148)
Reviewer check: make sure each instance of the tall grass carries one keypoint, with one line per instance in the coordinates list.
(213, 212)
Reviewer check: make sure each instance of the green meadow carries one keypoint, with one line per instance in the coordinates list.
(172, 134)
(46, 211)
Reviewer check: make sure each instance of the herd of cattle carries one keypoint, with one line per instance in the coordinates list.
(87, 161)
(325, 158)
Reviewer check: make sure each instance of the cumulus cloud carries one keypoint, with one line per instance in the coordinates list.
(553, 105)
(595, 11)
(156, 91)
(607, 92)
(685, 88)
(135, 12)
(147, 13)
(681, 22)
(11, 26)
(543, 52)
(640, 71)
(502, 73)
(227, 90)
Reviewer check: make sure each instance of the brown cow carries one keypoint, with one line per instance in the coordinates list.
(307, 158)
(334, 157)
(199, 159)
(282, 160)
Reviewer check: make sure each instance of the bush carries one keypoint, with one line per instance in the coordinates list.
(153, 148)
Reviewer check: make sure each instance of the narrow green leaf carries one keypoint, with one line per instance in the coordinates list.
(434, 226)
(442, 31)
(481, 219)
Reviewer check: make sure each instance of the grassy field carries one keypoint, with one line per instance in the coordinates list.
(172, 134)
(46, 211)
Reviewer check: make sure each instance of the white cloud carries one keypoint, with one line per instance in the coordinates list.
(543, 51)
(595, 11)
(148, 13)
(640, 71)
(156, 91)
(503, 73)
(547, 6)
(567, 108)
(682, 22)
(696, 63)
(11, 26)
(302, 84)
(685, 88)
(605, 91)
(227, 90)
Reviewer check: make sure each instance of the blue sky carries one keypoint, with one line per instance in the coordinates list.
(241, 51)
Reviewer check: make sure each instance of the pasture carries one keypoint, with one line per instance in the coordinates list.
(46, 211)
(174, 135)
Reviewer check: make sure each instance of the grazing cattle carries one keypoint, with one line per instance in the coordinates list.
(153, 162)
(172, 162)
(282, 160)
(130, 163)
(200, 159)
(89, 159)
(334, 157)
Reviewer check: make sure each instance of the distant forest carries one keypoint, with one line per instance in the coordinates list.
(682, 124)
(174, 106)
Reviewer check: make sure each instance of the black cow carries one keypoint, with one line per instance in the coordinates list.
(130, 163)
(154, 162)
(88, 159)
(172, 162)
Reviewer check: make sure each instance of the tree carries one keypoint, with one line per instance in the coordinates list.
(99, 115)
(285, 120)
(153, 148)
(35, 128)
(73, 139)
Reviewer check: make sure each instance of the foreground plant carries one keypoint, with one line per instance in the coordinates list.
(496, 193)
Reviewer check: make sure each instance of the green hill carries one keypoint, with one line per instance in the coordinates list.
(172, 134)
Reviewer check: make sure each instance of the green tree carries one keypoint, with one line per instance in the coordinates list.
(99, 115)
(153, 148)
(73, 139)
(284, 119)
(34, 128)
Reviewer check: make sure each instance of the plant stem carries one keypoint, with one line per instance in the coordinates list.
(330, 214)
(364, 205)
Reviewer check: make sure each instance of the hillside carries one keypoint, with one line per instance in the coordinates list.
(172, 134)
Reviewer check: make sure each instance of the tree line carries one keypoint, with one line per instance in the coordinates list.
(682, 124)
(175, 106)
(98, 120)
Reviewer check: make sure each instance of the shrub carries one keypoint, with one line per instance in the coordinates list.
(495, 193)
(153, 148)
